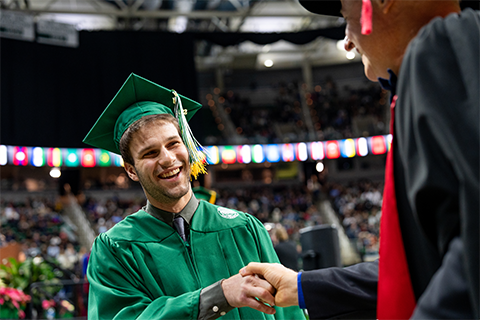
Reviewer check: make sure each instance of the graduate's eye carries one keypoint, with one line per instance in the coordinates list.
(174, 144)
(150, 154)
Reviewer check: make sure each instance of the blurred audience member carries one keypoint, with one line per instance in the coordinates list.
(286, 250)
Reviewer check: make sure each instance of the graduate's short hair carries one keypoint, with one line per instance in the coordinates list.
(127, 136)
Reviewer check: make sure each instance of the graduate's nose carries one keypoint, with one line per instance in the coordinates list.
(167, 158)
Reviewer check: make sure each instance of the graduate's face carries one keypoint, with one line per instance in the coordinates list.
(370, 47)
(161, 163)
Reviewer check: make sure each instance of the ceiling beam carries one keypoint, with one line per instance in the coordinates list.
(165, 13)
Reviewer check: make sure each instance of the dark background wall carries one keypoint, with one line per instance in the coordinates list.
(51, 96)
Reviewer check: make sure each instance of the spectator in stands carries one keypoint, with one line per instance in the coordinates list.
(286, 250)
(65, 260)
(142, 267)
(53, 249)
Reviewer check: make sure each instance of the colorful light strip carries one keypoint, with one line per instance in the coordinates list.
(228, 155)
(378, 145)
(20, 156)
(258, 156)
(362, 147)
(333, 149)
(244, 154)
(348, 148)
(54, 157)
(302, 151)
(88, 158)
(104, 158)
(3, 155)
(38, 158)
(288, 152)
(272, 152)
(213, 155)
(316, 151)
(71, 158)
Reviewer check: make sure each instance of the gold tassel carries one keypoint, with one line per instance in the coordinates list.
(196, 152)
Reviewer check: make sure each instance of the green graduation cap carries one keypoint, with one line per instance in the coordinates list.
(137, 98)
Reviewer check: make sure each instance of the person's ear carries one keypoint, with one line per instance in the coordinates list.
(132, 173)
(385, 5)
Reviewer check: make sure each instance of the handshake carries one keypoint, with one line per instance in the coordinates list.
(262, 286)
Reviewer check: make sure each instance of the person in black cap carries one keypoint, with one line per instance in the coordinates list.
(176, 258)
(427, 54)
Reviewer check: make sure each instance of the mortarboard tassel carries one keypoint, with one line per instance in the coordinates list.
(366, 18)
(195, 150)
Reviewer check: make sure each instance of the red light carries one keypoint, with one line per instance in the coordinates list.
(228, 155)
(378, 145)
(88, 158)
(333, 150)
(288, 153)
(20, 157)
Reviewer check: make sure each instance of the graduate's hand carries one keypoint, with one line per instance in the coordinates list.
(281, 278)
(243, 292)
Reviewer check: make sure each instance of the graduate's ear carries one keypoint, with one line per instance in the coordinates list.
(130, 169)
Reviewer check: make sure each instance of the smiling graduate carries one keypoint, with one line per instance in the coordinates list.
(177, 257)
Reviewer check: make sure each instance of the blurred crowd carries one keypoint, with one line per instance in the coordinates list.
(293, 207)
(39, 227)
(358, 205)
(334, 114)
(104, 213)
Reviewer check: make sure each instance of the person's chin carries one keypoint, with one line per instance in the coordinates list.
(371, 76)
(368, 69)
(370, 73)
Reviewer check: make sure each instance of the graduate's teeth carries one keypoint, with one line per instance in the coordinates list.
(170, 174)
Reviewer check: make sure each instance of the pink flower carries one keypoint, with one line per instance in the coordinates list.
(14, 294)
(15, 303)
(24, 297)
(47, 304)
(21, 314)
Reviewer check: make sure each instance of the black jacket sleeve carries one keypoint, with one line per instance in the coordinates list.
(437, 128)
(341, 293)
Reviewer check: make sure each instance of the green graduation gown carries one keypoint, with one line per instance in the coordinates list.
(142, 269)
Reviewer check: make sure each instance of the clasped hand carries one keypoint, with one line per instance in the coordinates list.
(249, 291)
(282, 279)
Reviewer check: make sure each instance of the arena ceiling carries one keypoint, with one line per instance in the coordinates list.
(220, 16)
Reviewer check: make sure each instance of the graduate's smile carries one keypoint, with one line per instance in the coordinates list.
(170, 174)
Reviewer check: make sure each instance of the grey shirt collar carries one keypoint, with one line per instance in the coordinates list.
(167, 217)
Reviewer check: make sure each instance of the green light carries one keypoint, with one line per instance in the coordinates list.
(71, 158)
(104, 159)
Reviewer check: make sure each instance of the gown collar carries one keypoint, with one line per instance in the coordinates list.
(167, 217)
(389, 84)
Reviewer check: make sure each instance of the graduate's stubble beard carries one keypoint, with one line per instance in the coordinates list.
(164, 194)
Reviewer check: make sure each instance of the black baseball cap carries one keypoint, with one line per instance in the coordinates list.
(325, 7)
(333, 7)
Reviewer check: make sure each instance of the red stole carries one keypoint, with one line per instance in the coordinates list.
(395, 293)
